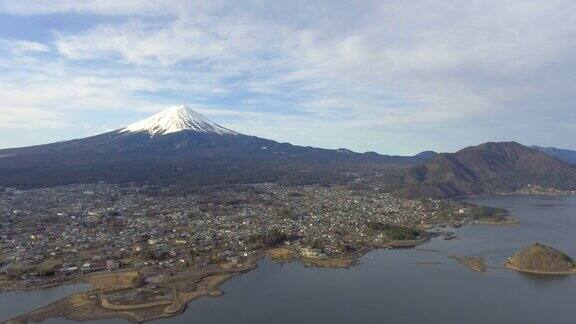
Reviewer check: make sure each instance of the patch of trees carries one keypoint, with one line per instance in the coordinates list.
(46, 268)
(269, 238)
(394, 232)
(315, 244)
(483, 212)
(285, 212)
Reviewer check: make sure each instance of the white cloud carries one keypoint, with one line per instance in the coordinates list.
(140, 42)
(22, 47)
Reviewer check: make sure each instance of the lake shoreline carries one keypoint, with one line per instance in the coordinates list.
(85, 306)
(537, 272)
(104, 310)
(379, 273)
(64, 307)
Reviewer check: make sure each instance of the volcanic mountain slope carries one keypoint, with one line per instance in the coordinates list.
(179, 144)
(487, 168)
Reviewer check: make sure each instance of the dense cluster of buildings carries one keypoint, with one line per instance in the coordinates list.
(53, 233)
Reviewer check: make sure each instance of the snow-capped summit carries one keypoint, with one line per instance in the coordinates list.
(176, 119)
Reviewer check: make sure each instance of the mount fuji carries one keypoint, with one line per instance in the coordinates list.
(176, 119)
(180, 145)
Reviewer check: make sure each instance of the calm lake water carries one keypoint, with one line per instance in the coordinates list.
(15, 303)
(414, 285)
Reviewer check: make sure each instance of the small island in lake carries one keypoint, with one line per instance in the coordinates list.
(541, 259)
(477, 264)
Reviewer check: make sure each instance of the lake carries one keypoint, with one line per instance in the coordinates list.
(413, 285)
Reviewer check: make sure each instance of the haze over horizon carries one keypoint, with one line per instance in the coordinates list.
(391, 77)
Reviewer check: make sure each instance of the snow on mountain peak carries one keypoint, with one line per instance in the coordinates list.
(176, 119)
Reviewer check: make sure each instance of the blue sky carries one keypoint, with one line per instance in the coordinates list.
(394, 77)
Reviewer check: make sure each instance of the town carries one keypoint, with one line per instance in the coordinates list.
(50, 235)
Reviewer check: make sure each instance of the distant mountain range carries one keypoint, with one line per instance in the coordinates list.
(179, 144)
(561, 154)
(486, 168)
